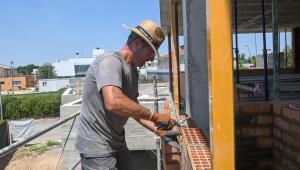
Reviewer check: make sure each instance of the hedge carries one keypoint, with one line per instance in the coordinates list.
(31, 105)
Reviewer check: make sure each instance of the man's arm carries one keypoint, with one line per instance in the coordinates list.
(147, 124)
(115, 101)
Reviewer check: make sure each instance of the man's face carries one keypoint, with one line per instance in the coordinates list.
(143, 55)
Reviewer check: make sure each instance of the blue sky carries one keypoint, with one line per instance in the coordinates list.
(41, 31)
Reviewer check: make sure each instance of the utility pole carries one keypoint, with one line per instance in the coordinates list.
(155, 94)
(11, 74)
(1, 110)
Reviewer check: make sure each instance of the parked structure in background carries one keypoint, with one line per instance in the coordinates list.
(77, 66)
(18, 83)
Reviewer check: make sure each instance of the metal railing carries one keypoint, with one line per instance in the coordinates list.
(16, 145)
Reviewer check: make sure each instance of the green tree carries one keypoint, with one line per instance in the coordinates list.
(27, 70)
(46, 71)
(253, 60)
(289, 55)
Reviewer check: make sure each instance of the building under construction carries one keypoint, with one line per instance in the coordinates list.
(240, 119)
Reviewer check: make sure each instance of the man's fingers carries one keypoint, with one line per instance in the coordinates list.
(177, 123)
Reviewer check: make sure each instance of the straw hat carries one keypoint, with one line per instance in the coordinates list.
(150, 32)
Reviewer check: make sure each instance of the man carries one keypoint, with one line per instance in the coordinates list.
(110, 98)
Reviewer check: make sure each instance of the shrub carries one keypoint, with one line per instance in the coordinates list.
(31, 105)
(1, 121)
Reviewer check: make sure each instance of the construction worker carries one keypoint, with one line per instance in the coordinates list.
(110, 98)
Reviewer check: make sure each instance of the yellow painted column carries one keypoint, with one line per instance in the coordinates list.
(221, 85)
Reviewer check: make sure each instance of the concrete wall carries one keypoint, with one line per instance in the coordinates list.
(46, 85)
(69, 96)
(196, 63)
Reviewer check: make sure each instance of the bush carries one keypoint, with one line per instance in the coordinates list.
(31, 105)
(1, 121)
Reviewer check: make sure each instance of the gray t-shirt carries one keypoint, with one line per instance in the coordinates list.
(101, 132)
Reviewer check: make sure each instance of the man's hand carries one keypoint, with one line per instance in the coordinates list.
(170, 137)
(163, 121)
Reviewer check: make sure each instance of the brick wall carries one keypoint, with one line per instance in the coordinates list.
(267, 136)
(286, 137)
(254, 126)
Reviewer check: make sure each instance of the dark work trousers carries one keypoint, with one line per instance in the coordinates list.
(118, 161)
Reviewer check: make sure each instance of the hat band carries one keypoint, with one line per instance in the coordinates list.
(156, 45)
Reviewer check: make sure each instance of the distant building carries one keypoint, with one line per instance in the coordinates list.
(16, 83)
(160, 68)
(260, 60)
(7, 71)
(75, 67)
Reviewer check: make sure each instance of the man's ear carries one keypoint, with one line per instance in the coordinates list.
(138, 43)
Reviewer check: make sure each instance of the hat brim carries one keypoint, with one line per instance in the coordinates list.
(135, 30)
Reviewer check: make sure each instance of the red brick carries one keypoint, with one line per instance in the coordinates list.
(286, 138)
(289, 164)
(295, 130)
(277, 132)
(277, 107)
(264, 163)
(194, 136)
(277, 154)
(291, 154)
(264, 142)
(263, 120)
(167, 148)
(291, 113)
(291, 140)
(256, 131)
(255, 108)
(298, 157)
(278, 144)
(295, 142)
(200, 156)
(282, 124)
(238, 131)
(172, 157)
(173, 166)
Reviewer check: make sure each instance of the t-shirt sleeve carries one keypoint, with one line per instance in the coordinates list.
(108, 72)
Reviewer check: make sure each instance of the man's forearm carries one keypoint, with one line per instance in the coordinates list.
(147, 124)
(126, 107)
